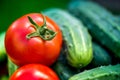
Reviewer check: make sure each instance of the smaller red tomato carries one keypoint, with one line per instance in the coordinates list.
(34, 72)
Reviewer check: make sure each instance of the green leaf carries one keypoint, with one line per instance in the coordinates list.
(11, 67)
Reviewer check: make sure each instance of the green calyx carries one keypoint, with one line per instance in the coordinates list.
(42, 31)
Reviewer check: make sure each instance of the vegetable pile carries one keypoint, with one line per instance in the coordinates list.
(80, 43)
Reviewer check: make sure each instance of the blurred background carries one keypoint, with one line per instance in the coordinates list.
(10, 10)
(13, 9)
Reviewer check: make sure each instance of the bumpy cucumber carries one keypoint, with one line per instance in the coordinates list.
(101, 24)
(76, 37)
(100, 56)
(111, 72)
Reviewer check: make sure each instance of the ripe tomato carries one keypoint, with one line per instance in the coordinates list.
(33, 38)
(34, 72)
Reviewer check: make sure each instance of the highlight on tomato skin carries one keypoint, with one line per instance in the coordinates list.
(34, 72)
(33, 38)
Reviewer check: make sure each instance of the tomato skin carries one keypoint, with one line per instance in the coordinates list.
(34, 72)
(34, 50)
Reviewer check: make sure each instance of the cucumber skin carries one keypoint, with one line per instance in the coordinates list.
(63, 70)
(111, 72)
(101, 57)
(76, 37)
(103, 26)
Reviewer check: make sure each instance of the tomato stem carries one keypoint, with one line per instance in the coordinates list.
(41, 31)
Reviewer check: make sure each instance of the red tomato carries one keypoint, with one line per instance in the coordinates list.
(23, 50)
(34, 72)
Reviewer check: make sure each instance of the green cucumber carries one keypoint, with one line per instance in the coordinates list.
(3, 56)
(117, 19)
(100, 23)
(100, 56)
(111, 72)
(63, 70)
(76, 37)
